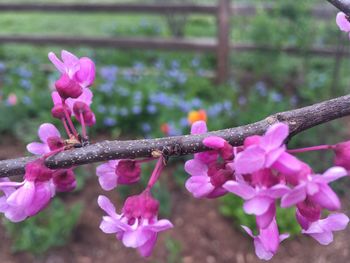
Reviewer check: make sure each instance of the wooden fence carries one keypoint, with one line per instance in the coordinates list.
(221, 45)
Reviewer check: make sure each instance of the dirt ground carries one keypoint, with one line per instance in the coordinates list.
(205, 236)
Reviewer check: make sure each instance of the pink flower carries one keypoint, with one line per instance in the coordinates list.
(316, 189)
(76, 74)
(258, 201)
(27, 198)
(137, 226)
(81, 107)
(207, 175)
(116, 172)
(267, 242)
(50, 140)
(267, 151)
(321, 230)
(343, 22)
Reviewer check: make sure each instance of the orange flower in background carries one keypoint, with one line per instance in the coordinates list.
(196, 115)
(165, 128)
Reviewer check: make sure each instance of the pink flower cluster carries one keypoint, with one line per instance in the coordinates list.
(21, 200)
(262, 172)
(138, 225)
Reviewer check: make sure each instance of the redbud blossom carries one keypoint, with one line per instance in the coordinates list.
(137, 226)
(322, 230)
(116, 172)
(50, 140)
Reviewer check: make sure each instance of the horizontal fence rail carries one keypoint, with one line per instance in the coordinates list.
(321, 11)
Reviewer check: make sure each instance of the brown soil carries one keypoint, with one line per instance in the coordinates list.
(205, 236)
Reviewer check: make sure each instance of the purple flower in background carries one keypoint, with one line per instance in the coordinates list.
(137, 226)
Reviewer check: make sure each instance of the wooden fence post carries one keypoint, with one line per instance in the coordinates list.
(223, 40)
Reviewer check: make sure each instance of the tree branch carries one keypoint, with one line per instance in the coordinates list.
(342, 5)
(298, 121)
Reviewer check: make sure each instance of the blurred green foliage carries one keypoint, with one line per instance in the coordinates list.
(50, 228)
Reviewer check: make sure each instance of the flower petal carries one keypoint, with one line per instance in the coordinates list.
(58, 63)
(250, 160)
(214, 142)
(264, 220)
(137, 238)
(23, 196)
(326, 198)
(199, 127)
(47, 130)
(160, 225)
(334, 173)
(244, 191)
(296, 195)
(275, 136)
(195, 167)
(107, 176)
(146, 249)
(86, 73)
(199, 186)
(335, 222)
(106, 205)
(342, 22)
(38, 148)
(257, 206)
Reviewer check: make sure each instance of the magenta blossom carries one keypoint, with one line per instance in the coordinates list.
(315, 188)
(137, 226)
(27, 198)
(267, 242)
(258, 201)
(76, 74)
(50, 140)
(321, 230)
(343, 22)
(207, 175)
(116, 172)
(81, 107)
(267, 151)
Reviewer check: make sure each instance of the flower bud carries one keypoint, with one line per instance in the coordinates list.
(342, 155)
(64, 180)
(68, 88)
(141, 206)
(58, 111)
(128, 171)
(55, 143)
